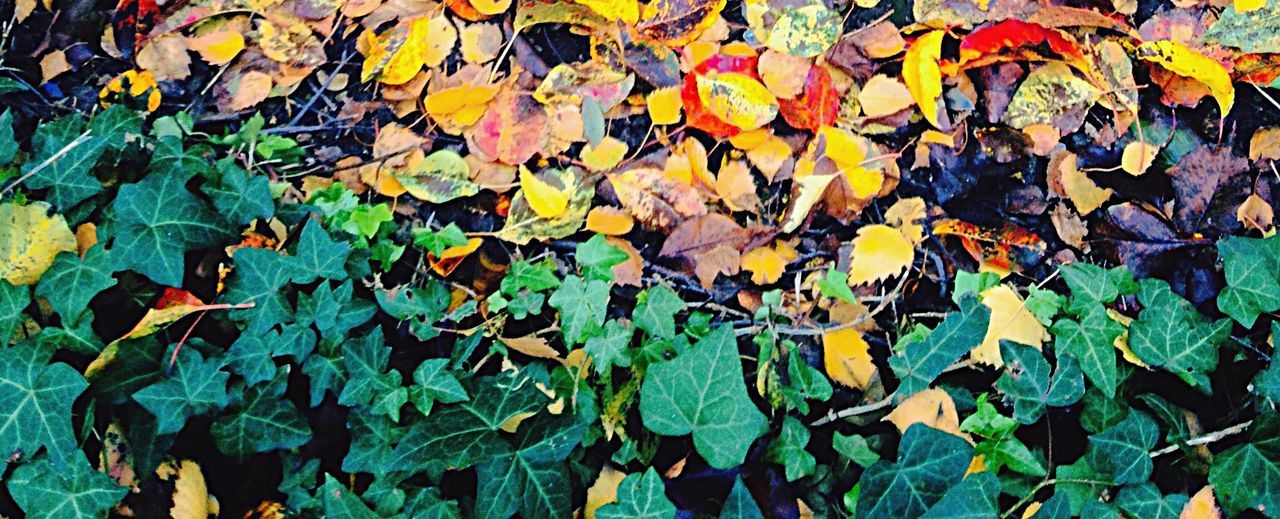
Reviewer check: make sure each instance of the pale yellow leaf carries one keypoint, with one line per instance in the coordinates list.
(532, 346)
(1010, 321)
(604, 156)
(1122, 341)
(882, 96)
(546, 200)
(1137, 157)
(847, 358)
(603, 491)
(29, 240)
(879, 252)
(53, 64)
(905, 214)
(1202, 505)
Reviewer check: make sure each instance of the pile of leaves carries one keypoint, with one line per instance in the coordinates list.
(420, 258)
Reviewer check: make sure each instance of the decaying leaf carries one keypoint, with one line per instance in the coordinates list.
(655, 200)
(29, 240)
(524, 224)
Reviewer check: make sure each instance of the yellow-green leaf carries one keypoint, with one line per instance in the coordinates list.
(29, 240)
(737, 99)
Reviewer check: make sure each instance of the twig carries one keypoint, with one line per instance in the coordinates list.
(1206, 438)
(1031, 495)
(47, 162)
(853, 411)
(324, 87)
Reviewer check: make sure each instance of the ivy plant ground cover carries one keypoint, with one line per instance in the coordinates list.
(676, 258)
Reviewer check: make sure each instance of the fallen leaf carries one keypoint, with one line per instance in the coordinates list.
(1202, 505)
(191, 497)
(481, 42)
(905, 215)
(1001, 251)
(610, 221)
(766, 264)
(736, 99)
(1265, 144)
(439, 177)
(665, 105)
(737, 188)
(1138, 157)
(453, 256)
(678, 22)
(512, 130)
(931, 407)
(702, 234)
(217, 47)
(631, 271)
(1066, 180)
(1010, 321)
(604, 156)
(923, 75)
(847, 358)
(248, 90)
(603, 491)
(53, 65)
(806, 30)
(29, 240)
(1052, 94)
(532, 346)
(1255, 213)
(658, 202)
(165, 57)
(879, 252)
(882, 96)
(1186, 62)
(781, 73)
(710, 264)
(546, 199)
(614, 10)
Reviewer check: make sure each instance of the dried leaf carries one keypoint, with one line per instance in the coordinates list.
(721, 259)
(702, 234)
(658, 202)
(923, 76)
(931, 407)
(766, 264)
(1186, 62)
(610, 221)
(512, 130)
(882, 96)
(737, 188)
(1138, 157)
(847, 358)
(879, 252)
(1010, 321)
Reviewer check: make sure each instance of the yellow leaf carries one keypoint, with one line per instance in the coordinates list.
(29, 240)
(770, 155)
(53, 64)
(1202, 505)
(491, 7)
(932, 407)
(440, 38)
(532, 346)
(603, 491)
(1254, 213)
(604, 156)
(1010, 321)
(1077, 185)
(1122, 341)
(665, 105)
(847, 358)
(613, 10)
(191, 498)
(736, 187)
(879, 252)
(767, 264)
(217, 47)
(922, 74)
(883, 96)
(1189, 63)
(808, 189)
(546, 200)
(1245, 6)
(395, 56)
(481, 42)
(1137, 157)
(1032, 508)
(849, 151)
(737, 99)
(610, 221)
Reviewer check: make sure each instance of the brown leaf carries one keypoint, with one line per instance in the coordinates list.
(737, 188)
(1208, 186)
(702, 234)
(531, 345)
(53, 64)
(631, 271)
(512, 130)
(658, 202)
(709, 264)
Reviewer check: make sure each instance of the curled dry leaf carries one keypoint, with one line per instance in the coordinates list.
(657, 202)
(1255, 213)
(1008, 249)
(1067, 181)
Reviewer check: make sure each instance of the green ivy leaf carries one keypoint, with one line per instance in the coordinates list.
(197, 387)
(1169, 333)
(264, 421)
(373, 439)
(854, 448)
(807, 383)
(1121, 452)
(437, 241)
(1027, 382)
(340, 502)
(239, 197)
(1100, 412)
(8, 145)
(921, 362)
(975, 496)
(597, 258)
(1252, 269)
(789, 451)
(609, 347)
(640, 496)
(534, 479)
(836, 285)
(464, 434)
(71, 282)
(701, 391)
(1145, 501)
(1094, 284)
(13, 300)
(49, 490)
(368, 381)
(1247, 476)
(739, 504)
(157, 221)
(1090, 340)
(433, 382)
(582, 306)
(319, 255)
(929, 463)
(656, 311)
(35, 402)
(259, 276)
(62, 159)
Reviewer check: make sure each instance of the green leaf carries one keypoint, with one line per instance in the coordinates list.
(972, 283)
(117, 126)
(62, 159)
(609, 347)
(1169, 333)
(640, 496)
(1247, 476)
(929, 463)
(1090, 340)
(1252, 269)
(373, 439)
(836, 285)
(1026, 381)
(1121, 452)
(974, 498)
(597, 258)
(13, 300)
(1144, 501)
(1252, 32)
(582, 306)
(8, 145)
(1093, 284)
(740, 504)
(157, 221)
(854, 448)
(533, 479)
(318, 255)
(71, 282)
(171, 158)
(48, 490)
(702, 392)
(239, 197)
(433, 382)
(437, 241)
(440, 177)
(364, 220)
(529, 276)
(368, 381)
(920, 363)
(789, 451)
(35, 402)
(524, 225)
(1100, 412)
(806, 383)
(197, 387)
(1057, 506)
(265, 421)
(656, 311)
(341, 503)
(259, 275)
(464, 434)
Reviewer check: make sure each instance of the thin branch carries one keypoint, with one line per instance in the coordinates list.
(1205, 438)
(49, 161)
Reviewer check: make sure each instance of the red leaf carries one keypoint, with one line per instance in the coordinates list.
(697, 115)
(817, 106)
(1013, 40)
